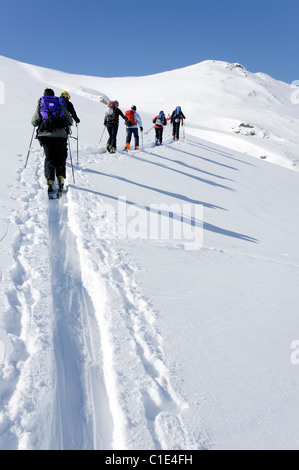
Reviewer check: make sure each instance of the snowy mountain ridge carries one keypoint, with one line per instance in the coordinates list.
(217, 97)
(110, 342)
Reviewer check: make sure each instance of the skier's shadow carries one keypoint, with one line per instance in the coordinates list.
(185, 165)
(181, 197)
(194, 222)
(222, 153)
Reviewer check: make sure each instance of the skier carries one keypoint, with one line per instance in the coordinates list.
(133, 121)
(159, 122)
(53, 129)
(176, 118)
(65, 100)
(111, 121)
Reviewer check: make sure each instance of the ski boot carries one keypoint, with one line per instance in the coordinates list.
(50, 189)
(60, 185)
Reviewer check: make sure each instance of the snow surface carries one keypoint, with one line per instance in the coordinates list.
(151, 343)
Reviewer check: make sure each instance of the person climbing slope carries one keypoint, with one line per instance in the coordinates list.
(53, 122)
(159, 122)
(111, 122)
(133, 121)
(176, 118)
(65, 100)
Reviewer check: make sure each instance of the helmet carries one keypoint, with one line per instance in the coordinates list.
(116, 103)
(133, 107)
(65, 94)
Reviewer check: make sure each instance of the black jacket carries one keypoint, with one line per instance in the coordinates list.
(180, 116)
(118, 113)
(71, 110)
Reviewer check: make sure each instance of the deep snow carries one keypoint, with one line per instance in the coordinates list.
(112, 343)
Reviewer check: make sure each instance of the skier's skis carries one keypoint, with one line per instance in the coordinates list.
(53, 194)
(57, 193)
(110, 149)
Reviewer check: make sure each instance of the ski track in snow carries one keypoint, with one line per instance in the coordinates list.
(84, 367)
(26, 381)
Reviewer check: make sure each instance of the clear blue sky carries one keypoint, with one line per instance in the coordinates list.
(121, 38)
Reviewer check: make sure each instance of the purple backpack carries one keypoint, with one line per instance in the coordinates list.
(51, 113)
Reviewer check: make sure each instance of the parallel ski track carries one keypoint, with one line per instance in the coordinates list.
(93, 373)
(77, 345)
(56, 398)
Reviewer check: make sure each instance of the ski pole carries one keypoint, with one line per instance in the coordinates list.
(170, 125)
(29, 147)
(77, 143)
(77, 139)
(142, 141)
(102, 135)
(71, 160)
(149, 130)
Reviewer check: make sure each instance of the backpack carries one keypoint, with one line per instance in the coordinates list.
(160, 119)
(51, 113)
(131, 118)
(110, 115)
(63, 101)
(177, 114)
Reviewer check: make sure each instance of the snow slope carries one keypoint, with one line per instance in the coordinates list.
(113, 343)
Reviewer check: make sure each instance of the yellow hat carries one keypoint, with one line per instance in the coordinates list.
(65, 94)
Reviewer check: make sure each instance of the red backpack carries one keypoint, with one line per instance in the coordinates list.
(130, 115)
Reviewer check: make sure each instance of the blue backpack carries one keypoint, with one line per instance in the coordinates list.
(62, 100)
(51, 113)
(160, 119)
(176, 115)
